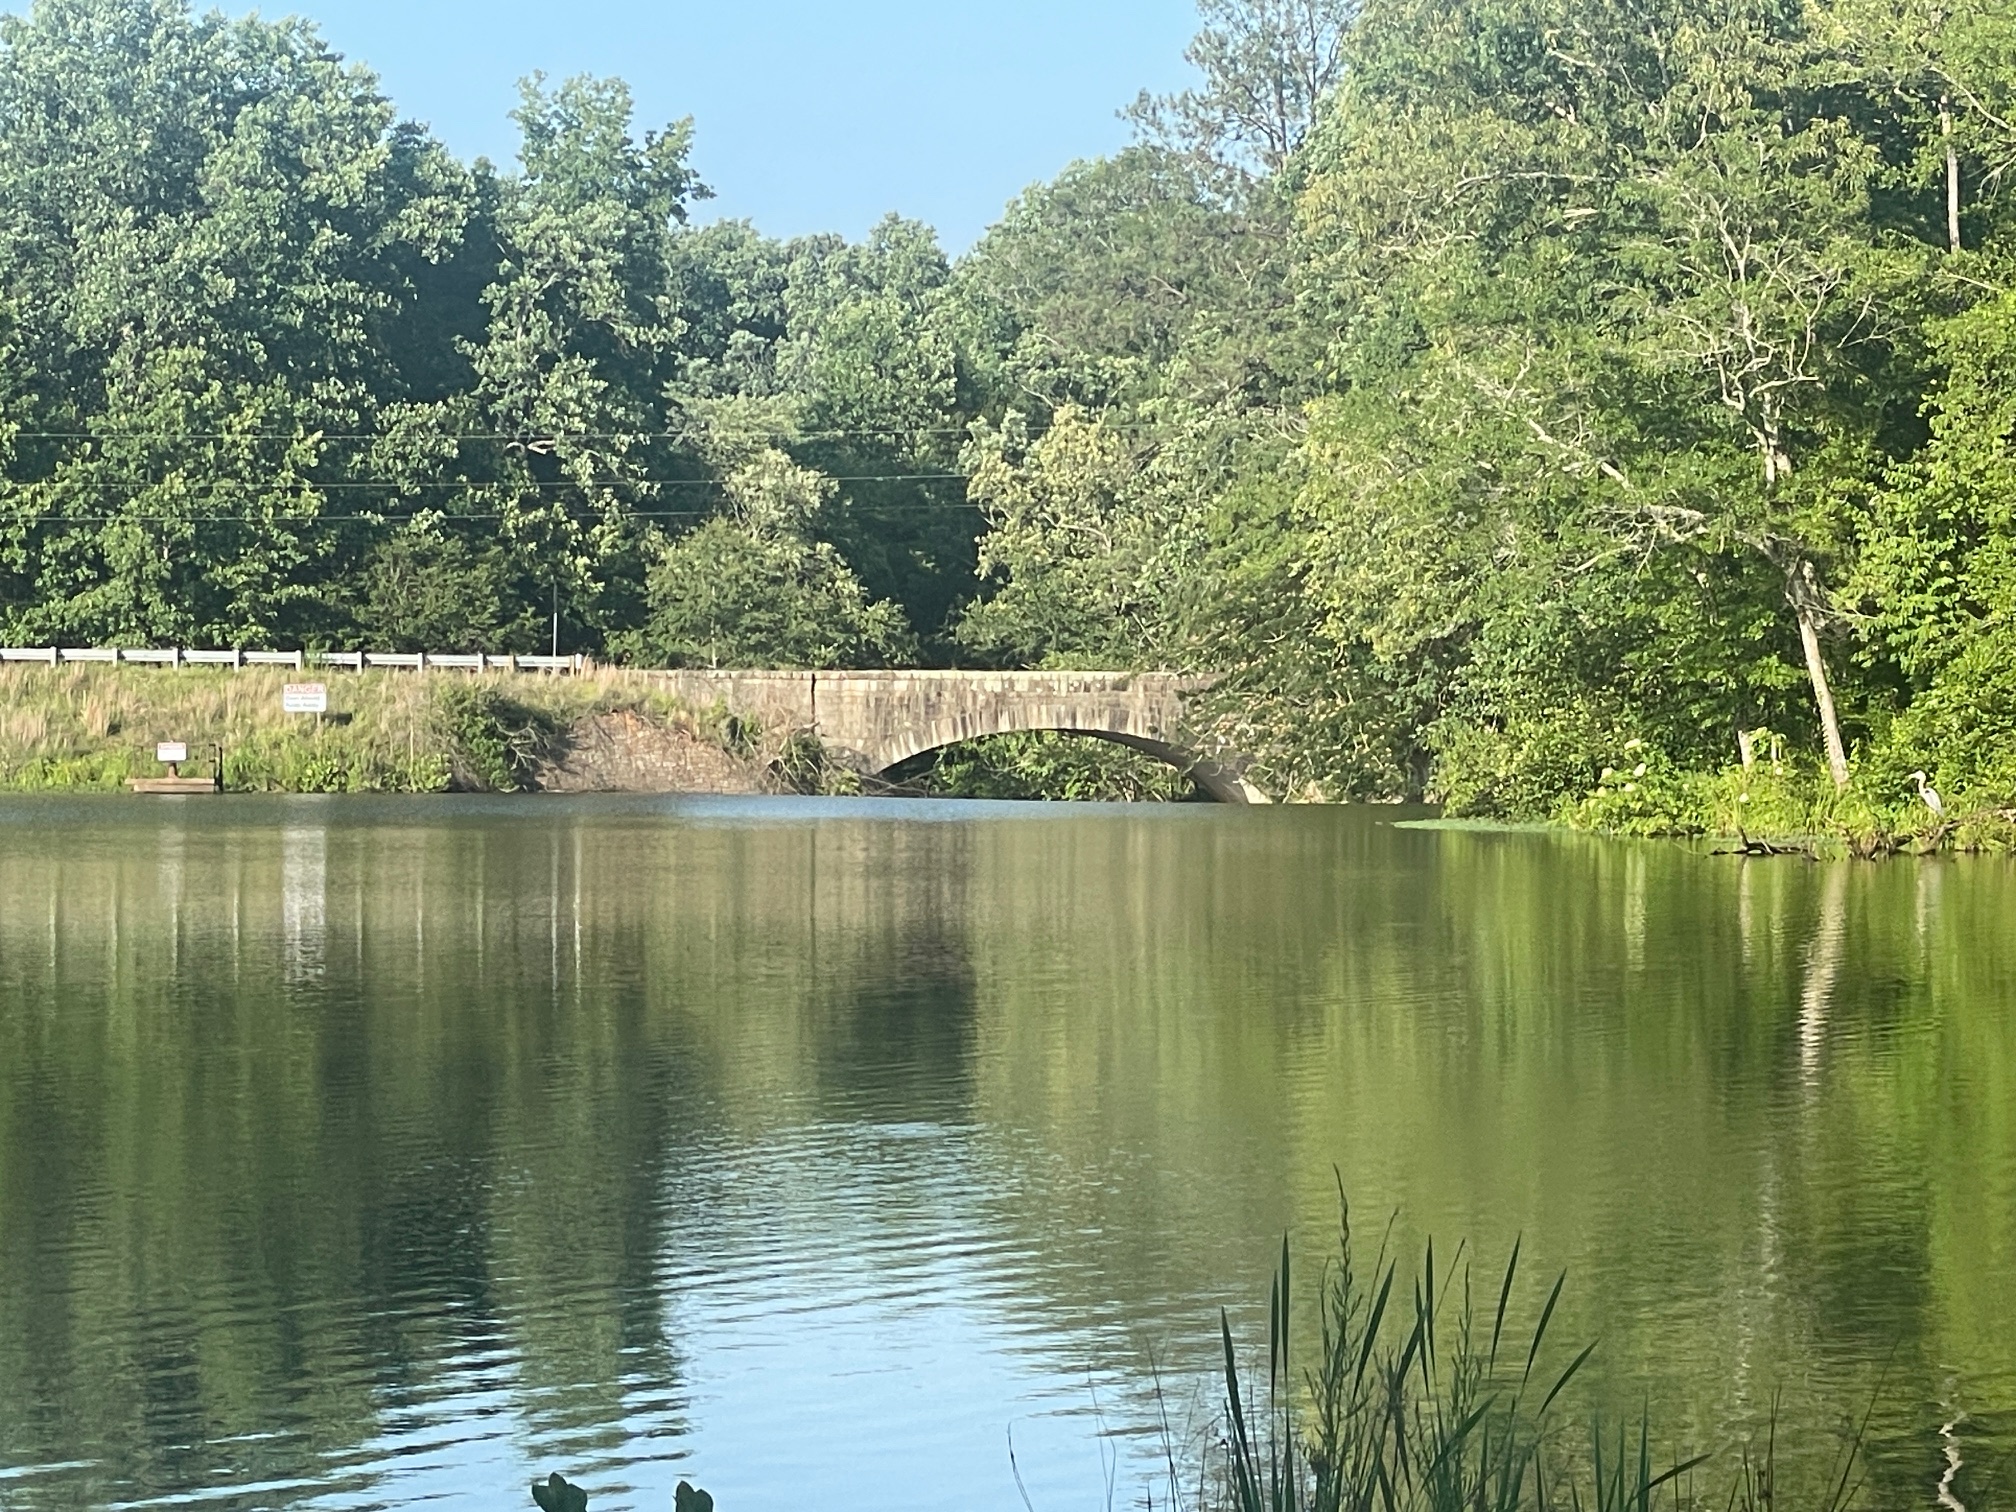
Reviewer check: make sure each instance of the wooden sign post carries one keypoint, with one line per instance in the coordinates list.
(171, 754)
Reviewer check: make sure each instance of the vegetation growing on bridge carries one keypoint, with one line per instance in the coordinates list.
(1529, 389)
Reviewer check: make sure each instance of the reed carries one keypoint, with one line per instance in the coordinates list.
(1412, 1405)
(1417, 1402)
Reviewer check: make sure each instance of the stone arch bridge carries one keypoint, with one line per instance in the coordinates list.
(873, 721)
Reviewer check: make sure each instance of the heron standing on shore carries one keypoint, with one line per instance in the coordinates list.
(1930, 795)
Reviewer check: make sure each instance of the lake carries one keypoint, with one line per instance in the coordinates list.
(367, 1153)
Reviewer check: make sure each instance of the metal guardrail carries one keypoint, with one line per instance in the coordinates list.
(300, 661)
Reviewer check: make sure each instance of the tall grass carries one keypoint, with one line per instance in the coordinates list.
(1417, 1401)
(90, 727)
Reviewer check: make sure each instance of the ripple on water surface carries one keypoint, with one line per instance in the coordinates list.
(377, 1154)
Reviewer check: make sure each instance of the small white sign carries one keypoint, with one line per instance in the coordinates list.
(305, 698)
(171, 752)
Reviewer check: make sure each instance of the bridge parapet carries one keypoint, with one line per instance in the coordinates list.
(874, 720)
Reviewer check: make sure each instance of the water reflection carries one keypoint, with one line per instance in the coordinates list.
(1822, 967)
(361, 1154)
(304, 900)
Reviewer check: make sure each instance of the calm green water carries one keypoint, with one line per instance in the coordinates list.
(368, 1154)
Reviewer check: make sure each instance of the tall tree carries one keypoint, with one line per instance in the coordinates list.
(1268, 67)
(1633, 266)
(574, 455)
(212, 233)
(1088, 540)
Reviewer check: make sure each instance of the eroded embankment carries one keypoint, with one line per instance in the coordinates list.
(627, 750)
(92, 728)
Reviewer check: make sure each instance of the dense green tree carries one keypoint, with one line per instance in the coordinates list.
(1086, 541)
(569, 381)
(1268, 68)
(1939, 568)
(752, 587)
(729, 595)
(1628, 335)
(211, 233)
(1128, 279)
(428, 592)
(1480, 387)
(872, 351)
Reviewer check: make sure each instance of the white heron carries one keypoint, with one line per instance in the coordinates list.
(1930, 795)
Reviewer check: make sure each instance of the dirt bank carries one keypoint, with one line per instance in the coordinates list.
(623, 751)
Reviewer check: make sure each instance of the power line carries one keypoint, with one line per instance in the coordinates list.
(395, 484)
(522, 437)
(375, 518)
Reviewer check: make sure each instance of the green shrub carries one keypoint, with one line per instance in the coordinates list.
(1524, 767)
(1961, 731)
(106, 771)
(1650, 796)
(1789, 800)
(494, 741)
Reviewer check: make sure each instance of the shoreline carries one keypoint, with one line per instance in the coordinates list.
(1986, 833)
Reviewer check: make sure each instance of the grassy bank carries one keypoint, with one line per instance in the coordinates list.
(90, 728)
(1793, 805)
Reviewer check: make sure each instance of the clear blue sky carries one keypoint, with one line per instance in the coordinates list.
(810, 116)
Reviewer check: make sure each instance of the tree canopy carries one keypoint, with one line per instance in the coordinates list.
(1487, 389)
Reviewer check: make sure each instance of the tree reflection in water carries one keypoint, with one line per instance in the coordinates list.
(369, 1152)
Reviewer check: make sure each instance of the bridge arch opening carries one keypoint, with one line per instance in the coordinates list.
(1212, 780)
